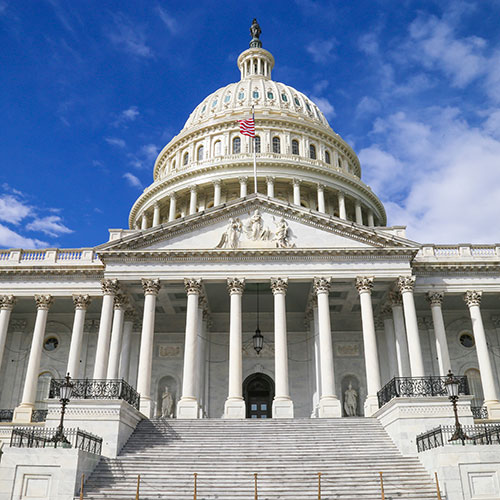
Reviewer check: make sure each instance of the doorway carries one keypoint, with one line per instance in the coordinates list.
(258, 390)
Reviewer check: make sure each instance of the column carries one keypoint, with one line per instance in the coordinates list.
(406, 285)
(200, 354)
(81, 302)
(7, 303)
(128, 325)
(359, 214)
(151, 288)
(390, 340)
(22, 413)
(282, 404)
(144, 221)
(172, 210)
(109, 289)
(217, 191)
(371, 221)
(120, 304)
(187, 407)
(321, 198)
(193, 199)
(473, 300)
(235, 404)
(156, 215)
(317, 355)
(342, 212)
(270, 186)
(435, 300)
(296, 192)
(364, 285)
(403, 357)
(329, 404)
(243, 186)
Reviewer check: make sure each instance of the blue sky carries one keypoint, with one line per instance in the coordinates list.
(91, 91)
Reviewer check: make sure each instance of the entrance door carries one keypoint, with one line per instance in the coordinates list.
(259, 393)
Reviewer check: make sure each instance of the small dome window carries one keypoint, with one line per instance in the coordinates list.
(312, 152)
(467, 340)
(200, 153)
(295, 147)
(276, 145)
(50, 344)
(185, 159)
(227, 98)
(255, 94)
(241, 95)
(297, 102)
(327, 157)
(236, 145)
(284, 98)
(214, 103)
(257, 144)
(270, 95)
(217, 148)
(308, 107)
(204, 108)
(173, 165)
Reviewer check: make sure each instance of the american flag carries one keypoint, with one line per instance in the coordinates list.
(247, 127)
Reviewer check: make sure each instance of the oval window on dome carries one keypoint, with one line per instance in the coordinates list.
(308, 107)
(255, 94)
(297, 102)
(203, 109)
(214, 103)
(227, 98)
(284, 98)
(241, 95)
(270, 95)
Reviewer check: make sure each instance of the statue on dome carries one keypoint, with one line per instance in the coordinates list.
(255, 229)
(255, 31)
(231, 236)
(282, 236)
(350, 401)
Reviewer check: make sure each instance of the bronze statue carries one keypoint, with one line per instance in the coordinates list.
(255, 31)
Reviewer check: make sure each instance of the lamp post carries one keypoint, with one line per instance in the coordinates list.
(451, 385)
(258, 339)
(65, 394)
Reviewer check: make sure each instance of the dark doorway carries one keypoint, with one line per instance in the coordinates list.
(258, 390)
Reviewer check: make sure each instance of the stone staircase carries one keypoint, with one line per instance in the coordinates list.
(286, 454)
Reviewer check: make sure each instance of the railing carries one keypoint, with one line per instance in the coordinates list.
(459, 251)
(33, 255)
(28, 437)
(98, 389)
(6, 415)
(414, 387)
(48, 256)
(482, 434)
(479, 412)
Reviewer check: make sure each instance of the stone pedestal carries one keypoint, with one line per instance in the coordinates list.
(147, 407)
(329, 407)
(371, 405)
(187, 408)
(22, 414)
(282, 408)
(493, 410)
(234, 408)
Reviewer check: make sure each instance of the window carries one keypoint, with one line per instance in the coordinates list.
(185, 159)
(270, 95)
(173, 165)
(236, 145)
(241, 95)
(203, 108)
(467, 339)
(200, 153)
(340, 163)
(257, 144)
(284, 98)
(255, 94)
(327, 157)
(214, 103)
(227, 98)
(297, 102)
(50, 344)
(217, 148)
(312, 151)
(308, 107)
(276, 145)
(295, 147)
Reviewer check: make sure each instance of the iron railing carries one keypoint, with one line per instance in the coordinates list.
(6, 415)
(29, 437)
(474, 434)
(412, 387)
(98, 389)
(479, 412)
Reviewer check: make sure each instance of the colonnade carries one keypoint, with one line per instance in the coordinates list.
(112, 358)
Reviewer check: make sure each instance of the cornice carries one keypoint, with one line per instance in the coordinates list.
(53, 270)
(426, 269)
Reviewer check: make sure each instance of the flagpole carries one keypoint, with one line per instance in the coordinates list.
(254, 155)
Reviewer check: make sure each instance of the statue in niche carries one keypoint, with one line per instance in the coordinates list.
(282, 236)
(350, 401)
(167, 404)
(232, 234)
(255, 228)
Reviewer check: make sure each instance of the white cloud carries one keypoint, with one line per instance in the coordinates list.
(168, 20)
(115, 141)
(367, 106)
(51, 225)
(132, 180)
(321, 50)
(145, 157)
(11, 239)
(325, 106)
(320, 86)
(127, 115)
(129, 37)
(12, 209)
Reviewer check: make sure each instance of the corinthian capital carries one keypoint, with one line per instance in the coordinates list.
(364, 284)
(151, 287)
(81, 301)
(130, 314)
(279, 285)
(435, 298)
(235, 285)
(406, 283)
(473, 297)
(322, 285)
(110, 286)
(395, 298)
(43, 302)
(193, 286)
(120, 301)
(7, 302)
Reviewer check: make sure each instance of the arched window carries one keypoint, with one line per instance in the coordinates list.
(340, 163)
(295, 147)
(236, 145)
(200, 153)
(327, 157)
(276, 145)
(173, 165)
(217, 148)
(312, 151)
(42, 389)
(257, 144)
(185, 159)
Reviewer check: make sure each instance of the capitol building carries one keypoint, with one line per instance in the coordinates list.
(258, 278)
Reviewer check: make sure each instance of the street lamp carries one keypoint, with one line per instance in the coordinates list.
(451, 385)
(65, 394)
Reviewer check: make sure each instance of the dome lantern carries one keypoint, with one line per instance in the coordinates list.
(255, 62)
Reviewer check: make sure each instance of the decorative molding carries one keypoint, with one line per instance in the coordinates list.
(473, 297)
(150, 286)
(43, 302)
(279, 285)
(364, 284)
(169, 350)
(347, 349)
(17, 325)
(435, 298)
(321, 285)
(193, 286)
(267, 351)
(425, 322)
(7, 302)
(406, 283)
(81, 301)
(235, 285)
(110, 286)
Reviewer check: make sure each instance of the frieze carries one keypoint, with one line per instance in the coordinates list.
(346, 349)
(17, 325)
(169, 350)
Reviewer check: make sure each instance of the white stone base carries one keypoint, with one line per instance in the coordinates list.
(329, 407)
(493, 409)
(187, 408)
(371, 405)
(112, 419)
(235, 408)
(147, 407)
(282, 408)
(22, 414)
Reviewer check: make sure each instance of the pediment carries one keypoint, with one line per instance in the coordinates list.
(257, 222)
